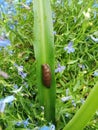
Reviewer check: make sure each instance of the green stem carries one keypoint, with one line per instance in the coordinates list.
(87, 110)
(44, 53)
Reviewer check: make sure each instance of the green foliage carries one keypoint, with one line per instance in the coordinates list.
(44, 53)
(86, 111)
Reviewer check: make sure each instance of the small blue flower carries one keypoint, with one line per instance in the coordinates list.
(69, 48)
(95, 73)
(81, 66)
(94, 39)
(4, 43)
(20, 71)
(22, 74)
(16, 86)
(26, 122)
(28, 2)
(2, 106)
(95, 5)
(52, 127)
(9, 99)
(2, 1)
(73, 103)
(12, 26)
(60, 68)
(20, 68)
(54, 32)
(4, 6)
(18, 123)
(67, 98)
(3, 102)
(7, 7)
(44, 128)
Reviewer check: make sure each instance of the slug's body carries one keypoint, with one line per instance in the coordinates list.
(46, 75)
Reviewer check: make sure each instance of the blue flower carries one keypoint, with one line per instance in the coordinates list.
(22, 74)
(24, 122)
(28, 2)
(1, 1)
(54, 32)
(20, 68)
(20, 71)
(81, 66)
(7, 7)
(67, 98)
(45, 128)
(51, 127)
(95, 73)
(95, 5)
(60, 68)
(73, 103)
(4, 43)
(3, 102)
(18, 123)
(9, 99)
(69, 48)
(16, 86)
(2, 106)
(94, 39)
(4, 6)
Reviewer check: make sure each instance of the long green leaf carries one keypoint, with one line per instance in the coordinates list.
(86, 111)
(44, 53)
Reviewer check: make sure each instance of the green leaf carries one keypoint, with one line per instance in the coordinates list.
(85, 113)
(44, 53)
